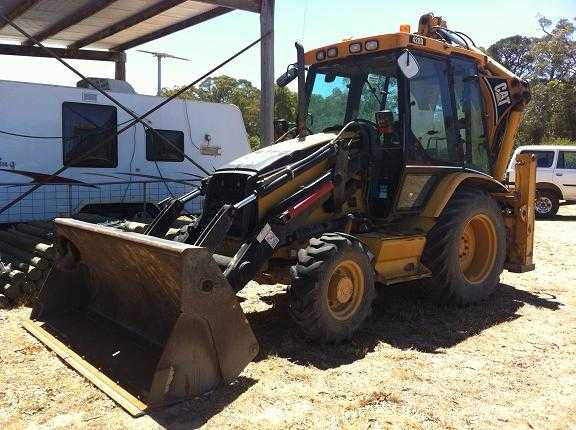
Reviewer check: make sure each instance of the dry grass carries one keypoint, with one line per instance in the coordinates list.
(508, 363)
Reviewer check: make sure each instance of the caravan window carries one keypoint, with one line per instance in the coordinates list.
(159, 150)
(85, 127)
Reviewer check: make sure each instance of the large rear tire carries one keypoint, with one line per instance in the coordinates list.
(466, 249)
(332, 288)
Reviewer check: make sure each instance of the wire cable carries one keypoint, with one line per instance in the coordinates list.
(137, 119)
(96, 133)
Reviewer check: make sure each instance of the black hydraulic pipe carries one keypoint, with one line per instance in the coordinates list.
(295, 169)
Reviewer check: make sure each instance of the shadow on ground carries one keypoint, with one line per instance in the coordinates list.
(195, 413)
(400, 318)
(558, 218)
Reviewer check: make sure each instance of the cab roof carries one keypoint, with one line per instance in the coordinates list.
(387, 42)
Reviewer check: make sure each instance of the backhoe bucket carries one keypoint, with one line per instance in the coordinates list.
(149, 321)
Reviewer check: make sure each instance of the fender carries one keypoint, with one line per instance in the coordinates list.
(450, 183)
(550, 186)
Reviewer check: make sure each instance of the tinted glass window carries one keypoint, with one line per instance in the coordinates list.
(544, 159)
(430, 110)
(328, 101)
(469, 120)
(347, 90)
(567, 160)
(380, 92)
(89, 135)
(159, 150)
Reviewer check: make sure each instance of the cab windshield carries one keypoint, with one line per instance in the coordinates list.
(343, 91)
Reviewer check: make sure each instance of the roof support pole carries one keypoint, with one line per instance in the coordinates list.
(267, 73)
(120, 67)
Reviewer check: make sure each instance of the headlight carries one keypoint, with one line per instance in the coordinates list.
(320, 55)
(332, 52)
(355, 48)
(371, 45)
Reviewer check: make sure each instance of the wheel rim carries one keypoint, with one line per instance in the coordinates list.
(345, 290)
(543, 205)
(477, 249)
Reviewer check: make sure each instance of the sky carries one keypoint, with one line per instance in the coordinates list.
(312, 22)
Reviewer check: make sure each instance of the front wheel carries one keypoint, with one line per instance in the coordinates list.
(466, 249)
(332, 288)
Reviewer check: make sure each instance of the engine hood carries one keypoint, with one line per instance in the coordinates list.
(278, 155)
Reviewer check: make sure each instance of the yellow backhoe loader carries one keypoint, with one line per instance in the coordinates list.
(394, 173)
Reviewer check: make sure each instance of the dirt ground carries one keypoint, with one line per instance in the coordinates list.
(508, 363)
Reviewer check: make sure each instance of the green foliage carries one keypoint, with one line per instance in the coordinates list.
(244, 95)
(555, 52)
(254, 142)
(549, 63)
(559, 141)
(515, 53)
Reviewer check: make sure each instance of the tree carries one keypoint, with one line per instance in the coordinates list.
(550, 115)
(514, 53)
(555, 53)
(244, 95)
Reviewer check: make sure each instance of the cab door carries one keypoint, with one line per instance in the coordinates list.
(565, 173)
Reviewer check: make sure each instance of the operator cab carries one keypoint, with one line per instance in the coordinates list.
(366, 90)
(423, 111)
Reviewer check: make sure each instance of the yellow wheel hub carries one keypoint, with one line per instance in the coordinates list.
(345, 290)
(478, 247)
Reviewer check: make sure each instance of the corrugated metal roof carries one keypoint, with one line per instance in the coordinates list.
(107, 24)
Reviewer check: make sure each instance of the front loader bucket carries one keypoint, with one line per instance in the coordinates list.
(149, 321)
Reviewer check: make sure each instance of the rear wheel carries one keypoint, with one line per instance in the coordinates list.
(332, 288)
(466, 249)
(547, 204)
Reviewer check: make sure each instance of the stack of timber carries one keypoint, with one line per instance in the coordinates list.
(27, 254)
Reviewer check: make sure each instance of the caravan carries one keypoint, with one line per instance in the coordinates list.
(46, 127)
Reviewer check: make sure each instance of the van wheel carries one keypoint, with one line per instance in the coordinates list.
(547, 204)
(332, 288)
(465, 250)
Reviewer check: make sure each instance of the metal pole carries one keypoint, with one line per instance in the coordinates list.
(159, 75)
(120, 67)
(267, 73)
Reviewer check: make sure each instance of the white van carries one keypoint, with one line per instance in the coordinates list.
(555, 176)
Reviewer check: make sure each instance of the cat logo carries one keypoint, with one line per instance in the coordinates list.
(417, 40)
(502, 94)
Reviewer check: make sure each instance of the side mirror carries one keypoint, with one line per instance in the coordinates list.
(281, 127)
(408, 65)
(288, 76)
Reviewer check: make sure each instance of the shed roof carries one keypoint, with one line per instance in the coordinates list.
(114, 25)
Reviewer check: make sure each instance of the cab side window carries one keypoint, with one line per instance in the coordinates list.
(567, 160)
(469, 120)
(544, 159)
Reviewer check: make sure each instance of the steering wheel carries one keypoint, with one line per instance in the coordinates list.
(366, 121)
